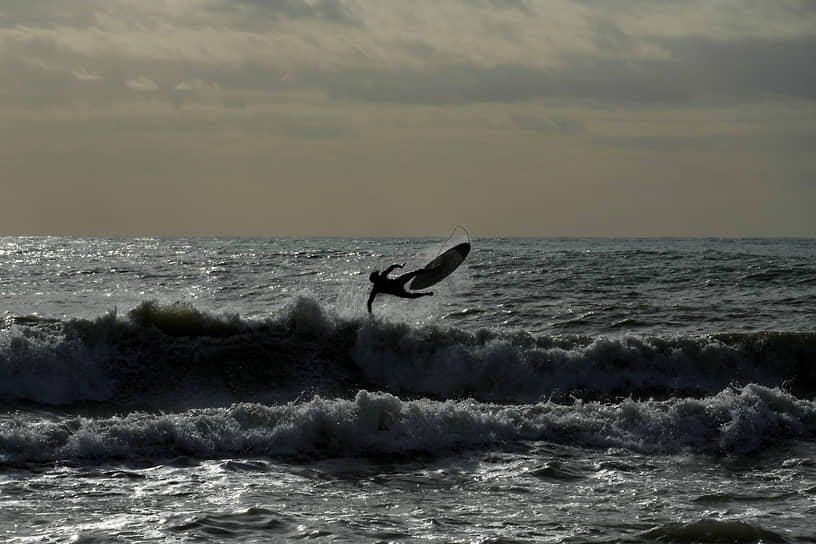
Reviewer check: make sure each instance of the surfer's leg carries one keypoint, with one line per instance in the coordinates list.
(405, 278)
(406, 294)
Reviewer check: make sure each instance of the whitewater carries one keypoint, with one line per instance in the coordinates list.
(552, 390)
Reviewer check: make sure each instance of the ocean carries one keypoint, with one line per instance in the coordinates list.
(552, 390)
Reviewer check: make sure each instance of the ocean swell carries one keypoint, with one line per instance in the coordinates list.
(176, 356)
(380, 424)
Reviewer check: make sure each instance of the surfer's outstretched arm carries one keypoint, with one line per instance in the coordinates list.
(371, 298)
(391, 268)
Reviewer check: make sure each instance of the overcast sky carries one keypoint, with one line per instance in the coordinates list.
(404, 118)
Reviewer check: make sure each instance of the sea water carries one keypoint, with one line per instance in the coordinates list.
(552, 390)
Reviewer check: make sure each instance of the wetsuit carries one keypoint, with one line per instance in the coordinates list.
(384, 284)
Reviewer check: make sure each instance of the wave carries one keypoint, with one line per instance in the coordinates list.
(380, 424)
(712, 530)
(177, 356)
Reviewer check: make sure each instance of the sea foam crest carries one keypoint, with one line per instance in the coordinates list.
(375, 424)
(176, 356)
(38, 363)
(517, 367)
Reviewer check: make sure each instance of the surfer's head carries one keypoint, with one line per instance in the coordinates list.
(374, 276)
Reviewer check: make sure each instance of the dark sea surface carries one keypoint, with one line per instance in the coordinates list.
(552, 390)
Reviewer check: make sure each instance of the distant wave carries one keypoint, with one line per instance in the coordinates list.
(177, 356)
(380, 424)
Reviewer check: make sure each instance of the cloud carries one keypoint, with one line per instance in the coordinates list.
(423, 52)
(192, 89)
(551, 124)
(335, 11)
(520, 5)
(551, 106)
(84, 75)
(142, 84)
(196, 85)
(783, 67)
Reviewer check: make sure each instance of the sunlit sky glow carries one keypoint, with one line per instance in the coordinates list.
(394, 118)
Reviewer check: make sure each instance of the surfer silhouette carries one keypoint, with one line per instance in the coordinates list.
(396, 286)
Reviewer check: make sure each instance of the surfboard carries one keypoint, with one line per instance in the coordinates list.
(441, 267)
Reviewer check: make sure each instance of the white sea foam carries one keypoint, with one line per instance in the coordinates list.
(382, 424)
(177, 351)
(574, 393)
(37, 365)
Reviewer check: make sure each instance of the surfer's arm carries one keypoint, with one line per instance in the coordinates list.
(371, 298)
(392, 267)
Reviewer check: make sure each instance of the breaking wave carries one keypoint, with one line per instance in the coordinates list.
(167, 381)
(380, 424)
(176, 356)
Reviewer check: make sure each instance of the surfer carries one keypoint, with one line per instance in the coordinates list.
(384, 284)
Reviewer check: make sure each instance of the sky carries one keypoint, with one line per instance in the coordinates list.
(395, 118)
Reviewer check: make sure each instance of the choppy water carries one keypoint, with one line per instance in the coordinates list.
(553, 390)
